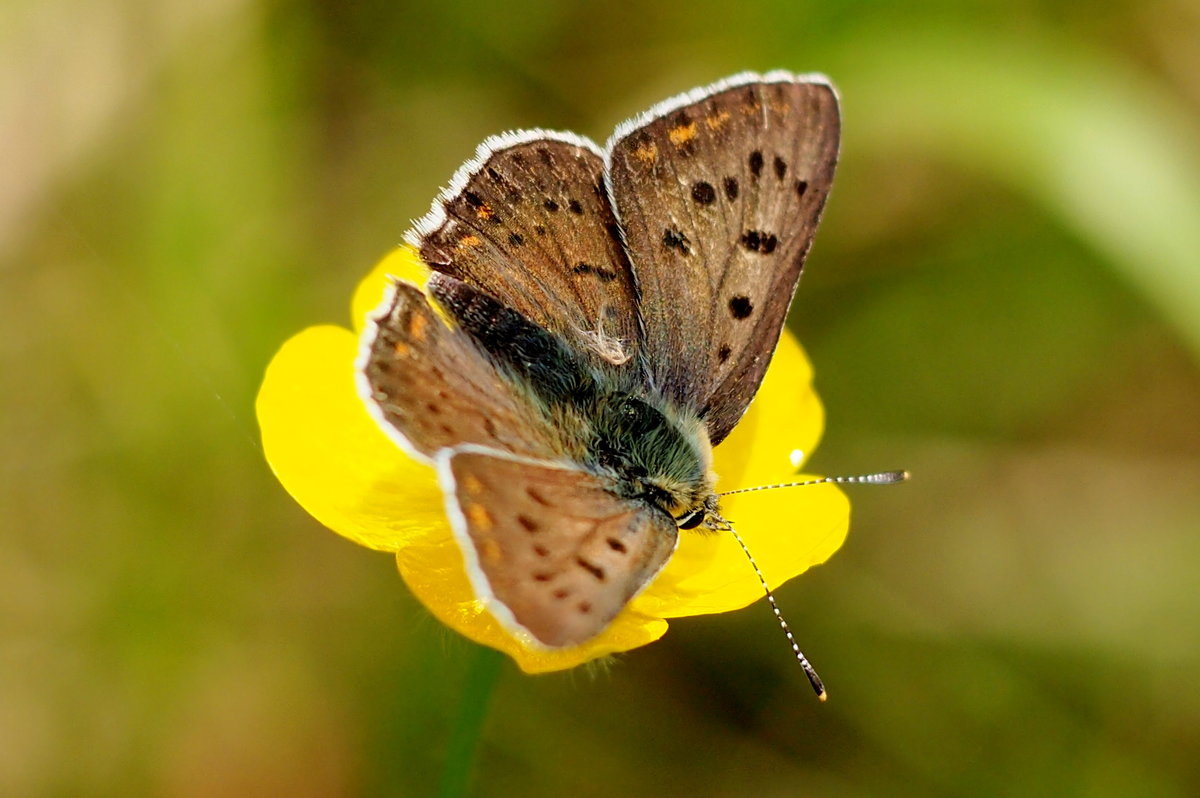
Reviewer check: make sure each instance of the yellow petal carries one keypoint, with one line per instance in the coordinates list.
(331, 456)
(787, 531)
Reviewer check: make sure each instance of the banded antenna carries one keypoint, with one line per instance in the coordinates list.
(881, 478)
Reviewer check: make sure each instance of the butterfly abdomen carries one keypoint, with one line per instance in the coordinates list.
(530, 354)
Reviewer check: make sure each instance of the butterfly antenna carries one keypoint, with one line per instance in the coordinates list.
(817, 685)
(882, 478)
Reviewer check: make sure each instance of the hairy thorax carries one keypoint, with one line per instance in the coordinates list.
(654, 454)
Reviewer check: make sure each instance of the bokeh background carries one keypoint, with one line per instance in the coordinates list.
(1004, 298)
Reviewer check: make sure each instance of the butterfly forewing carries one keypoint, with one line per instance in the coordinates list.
(560, 552)
(529, 223)
(432, 384)
(719, 194)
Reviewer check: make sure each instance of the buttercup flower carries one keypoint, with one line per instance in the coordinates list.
(334, 459)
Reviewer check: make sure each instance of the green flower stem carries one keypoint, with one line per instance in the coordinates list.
(468, 727)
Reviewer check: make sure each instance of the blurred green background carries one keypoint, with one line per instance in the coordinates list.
(1004, 298)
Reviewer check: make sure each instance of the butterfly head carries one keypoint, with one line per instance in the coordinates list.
(705, 516)
(659, 455)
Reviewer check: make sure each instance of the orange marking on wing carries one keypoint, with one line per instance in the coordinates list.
(469, 241)
(717, 120)
(683, 134)
(472, 485)
(646, 152)
(485, 212)
(401, 349)
(479, 518)
(418, 325)
(490, 551)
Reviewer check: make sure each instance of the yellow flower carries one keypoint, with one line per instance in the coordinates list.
(334, 459)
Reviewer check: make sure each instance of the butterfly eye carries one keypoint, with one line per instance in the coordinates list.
(691, 520)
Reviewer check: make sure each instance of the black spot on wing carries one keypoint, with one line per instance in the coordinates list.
(603, 274)
(756, 163)
(731, 188)
(703, 193)
(759, 241)
(740, 307)
(591, 568)
(674, 239)
(780, 167)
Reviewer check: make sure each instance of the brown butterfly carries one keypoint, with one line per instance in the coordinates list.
(596, 321)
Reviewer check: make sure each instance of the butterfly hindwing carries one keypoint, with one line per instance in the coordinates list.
(432, 384)
(552, 544)
(528, 221)
(719, 193)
